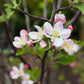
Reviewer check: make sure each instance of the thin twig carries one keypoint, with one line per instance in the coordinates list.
(59, 4)
(75, 18)
(32, 16)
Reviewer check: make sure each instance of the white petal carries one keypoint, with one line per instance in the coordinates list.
(23, 34)
(17, 38)
(13, 75)
(38, 28)
(18, 44)
(48, 28)
(58, 26)
(30, 82)
(15, 68)
(33, 35)
(21, 66)
(57, 42)
(65, 33)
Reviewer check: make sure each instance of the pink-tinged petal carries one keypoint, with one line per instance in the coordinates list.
(48, 28)
(68, 45)
(21, 66)
(43, 44)
(14, 75)
(58, 26)
(18, 44)
(29, 43)
(60, 18)
(57, 42)
(23, 34)
(17, 38)
(38, 28)
(15, 68)
(65, 33)
(33, 35)
(70, 27)
(76, 47)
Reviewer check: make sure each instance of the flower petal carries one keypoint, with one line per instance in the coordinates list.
(58, 26)
(18, 44)
(43, 44)
(21, 66)
(23, 34)
(60, 18)
(57, 42)
(65, 33)
(17, 38)
(15, 68)
(38, 28)
(14, 75)
(33, 35)
(48, 28)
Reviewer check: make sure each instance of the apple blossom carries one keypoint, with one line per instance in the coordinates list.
(26, 79)
(22, 40)
(60, 18)
(43, 44)
(57, 34)
(37, 36)
(70, 47)
(15, 73)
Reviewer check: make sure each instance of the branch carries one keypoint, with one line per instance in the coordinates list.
(32, 16)
(26, 17)
(75, 18)
(59, 4)
(45, 9)
(54, 11)
(43, 66)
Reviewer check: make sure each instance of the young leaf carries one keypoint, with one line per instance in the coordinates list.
(9, 5)
(14, 2)
(3, 18)
(80, 6)
(65, 60)
(9, 12)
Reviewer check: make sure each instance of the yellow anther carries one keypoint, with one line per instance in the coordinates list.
(26, 78)
(66, 46)
(19, 72)
(37, 33)
(20, 41)
(55, 34)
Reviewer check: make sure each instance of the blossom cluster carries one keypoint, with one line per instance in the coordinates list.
(16, 73)
(57, 34)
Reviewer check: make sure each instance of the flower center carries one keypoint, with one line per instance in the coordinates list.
(19, 72)
(37, 33)
(55, 34)
(66, 46)
(20, 41)
(26, 78)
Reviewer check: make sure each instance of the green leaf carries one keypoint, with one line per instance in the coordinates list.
(76, 1)
(3, 18)
(9, 12)
(34, 73)
(14, 2)
(65, 60)
(80, 6)
(9, 5)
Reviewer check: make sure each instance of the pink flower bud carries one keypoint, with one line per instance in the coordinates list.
(43, 44)
(29, 43)
(26, 66)
(60, 18)
(70, 27)
(73, 64)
